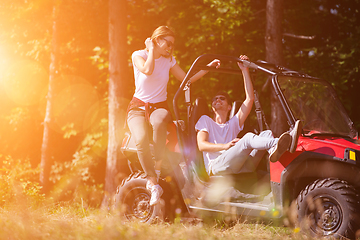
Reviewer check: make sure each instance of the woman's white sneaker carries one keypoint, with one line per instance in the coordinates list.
(156, 193)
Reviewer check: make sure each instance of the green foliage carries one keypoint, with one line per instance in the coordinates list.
(26, 37)
(334, 52)
(19, 180)
(76, 179)
(100, 58)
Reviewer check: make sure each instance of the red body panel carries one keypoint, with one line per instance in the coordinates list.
(331, 146)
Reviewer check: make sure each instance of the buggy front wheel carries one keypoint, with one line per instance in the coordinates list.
(133, 200)
(328, 207)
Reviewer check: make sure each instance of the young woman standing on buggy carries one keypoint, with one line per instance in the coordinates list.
(148, 110)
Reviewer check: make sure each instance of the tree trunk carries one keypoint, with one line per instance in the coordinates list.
(274, 54)
(49, 135)
(117, 92)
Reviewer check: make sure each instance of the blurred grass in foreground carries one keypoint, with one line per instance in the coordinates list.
(62, 221)
(25, 213)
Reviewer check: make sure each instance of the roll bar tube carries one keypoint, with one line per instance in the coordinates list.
(197, 66)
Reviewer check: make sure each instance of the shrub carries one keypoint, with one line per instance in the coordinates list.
(19, 180)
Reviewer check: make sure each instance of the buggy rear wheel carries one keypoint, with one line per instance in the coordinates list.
(133, 200)
(329, 207)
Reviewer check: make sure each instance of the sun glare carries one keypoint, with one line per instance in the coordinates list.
(75, 102)
(25, 82)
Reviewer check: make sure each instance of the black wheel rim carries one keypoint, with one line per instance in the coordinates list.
(139, 208)
(327, 217)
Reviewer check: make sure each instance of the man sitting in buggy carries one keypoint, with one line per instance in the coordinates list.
(223, 152)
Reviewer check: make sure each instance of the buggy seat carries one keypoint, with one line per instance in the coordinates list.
(199, 108)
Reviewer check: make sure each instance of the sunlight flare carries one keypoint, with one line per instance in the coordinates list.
(25, 82)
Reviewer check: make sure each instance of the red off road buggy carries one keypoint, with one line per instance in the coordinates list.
(316, 188)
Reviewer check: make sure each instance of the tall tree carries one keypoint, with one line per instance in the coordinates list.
(274, 54)
(118, 86)
(48, 144)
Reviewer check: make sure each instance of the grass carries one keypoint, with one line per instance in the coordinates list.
(67, 221)
(31, 216)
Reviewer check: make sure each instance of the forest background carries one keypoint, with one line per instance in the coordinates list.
(320, 38)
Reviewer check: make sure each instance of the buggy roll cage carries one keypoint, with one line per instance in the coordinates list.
(201, 64)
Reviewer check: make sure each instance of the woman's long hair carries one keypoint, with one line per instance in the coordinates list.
(163, 31)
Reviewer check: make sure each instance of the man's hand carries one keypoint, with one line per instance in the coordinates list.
(205, 145)
(214, 63)
(231, 143)
(241, 66)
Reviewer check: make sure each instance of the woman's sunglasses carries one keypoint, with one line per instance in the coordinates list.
(168, 43)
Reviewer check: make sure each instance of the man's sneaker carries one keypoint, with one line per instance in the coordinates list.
(295, 133)
(156, 193)
(281, 146)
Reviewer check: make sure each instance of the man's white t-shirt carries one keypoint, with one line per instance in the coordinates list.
(218, 133)
(152, 88)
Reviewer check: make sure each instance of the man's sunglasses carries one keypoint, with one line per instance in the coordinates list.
(168, 43)
(221, 98)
